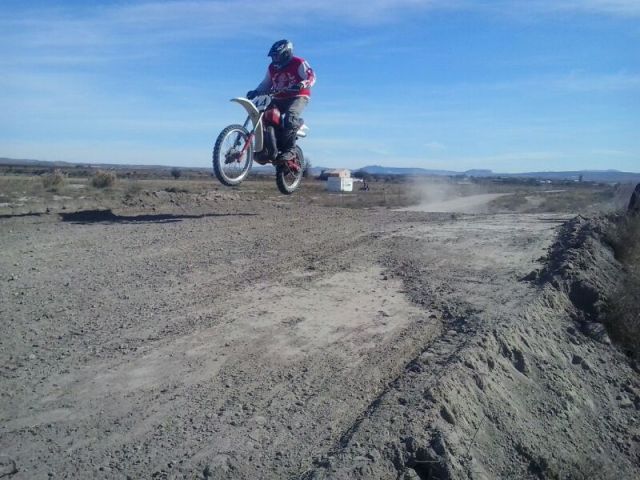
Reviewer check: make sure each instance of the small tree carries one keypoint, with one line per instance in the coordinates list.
(176, 172)
(53, 180)
(363, 174)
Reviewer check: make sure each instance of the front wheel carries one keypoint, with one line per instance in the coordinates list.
(232, 155)
(289, 175)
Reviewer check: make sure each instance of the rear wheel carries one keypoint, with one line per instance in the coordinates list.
(232, 155)
(289, 175)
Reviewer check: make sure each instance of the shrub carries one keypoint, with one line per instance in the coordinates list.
(103, 179)
(53, 180)
(176, 172)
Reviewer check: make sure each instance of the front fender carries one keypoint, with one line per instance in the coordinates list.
(256, 119)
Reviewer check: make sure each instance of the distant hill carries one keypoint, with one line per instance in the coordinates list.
(587, 175)
(608, 176)
(35, 163)
(48, 164)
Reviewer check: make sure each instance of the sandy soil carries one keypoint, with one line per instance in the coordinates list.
(271, 339)
(467, 204)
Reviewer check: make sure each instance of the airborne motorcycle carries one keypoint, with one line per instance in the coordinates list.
(237, 147)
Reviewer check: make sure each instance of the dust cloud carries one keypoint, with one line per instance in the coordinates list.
(445, 196)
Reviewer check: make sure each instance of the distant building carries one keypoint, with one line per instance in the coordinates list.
(338, 180)
(339, 172)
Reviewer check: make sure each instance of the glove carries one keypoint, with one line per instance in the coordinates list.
(251, 94)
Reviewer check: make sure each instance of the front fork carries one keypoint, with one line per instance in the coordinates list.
(249, 140)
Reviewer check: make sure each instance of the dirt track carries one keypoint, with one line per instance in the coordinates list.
(245, 340)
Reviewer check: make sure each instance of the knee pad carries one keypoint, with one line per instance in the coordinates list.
(292, 121)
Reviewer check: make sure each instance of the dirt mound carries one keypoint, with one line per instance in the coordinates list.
(513, 392)
(582, 265)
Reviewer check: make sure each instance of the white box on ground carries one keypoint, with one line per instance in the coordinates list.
(338, 184)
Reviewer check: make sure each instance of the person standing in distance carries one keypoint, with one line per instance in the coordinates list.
(292, 78)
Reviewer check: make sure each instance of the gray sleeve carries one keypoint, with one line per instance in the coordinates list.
(265, 84)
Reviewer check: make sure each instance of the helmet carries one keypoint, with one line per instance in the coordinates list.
(281, 53)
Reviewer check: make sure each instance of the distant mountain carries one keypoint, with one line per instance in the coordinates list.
(479, 173)
(609, 176)
(115, 166)
(35, 163)
(586, 175)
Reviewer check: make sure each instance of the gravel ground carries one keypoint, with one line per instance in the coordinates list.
(238, 337)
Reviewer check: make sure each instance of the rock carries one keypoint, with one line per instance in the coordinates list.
(479, 381)
(520, 362)
(373, 455)
(7, 467)
(438, 445)
(411, 474)
(410, 443)
(491, 363)
(259, 420)
(634, 202)
(626, 403)
(447, 415)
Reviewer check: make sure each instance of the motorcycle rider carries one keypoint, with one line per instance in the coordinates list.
(292, 78)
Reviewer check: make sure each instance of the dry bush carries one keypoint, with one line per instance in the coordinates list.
(103, 179)
(623, 321)
(53, 180)
(133, 188)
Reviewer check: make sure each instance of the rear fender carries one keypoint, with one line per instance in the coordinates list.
(256, 120)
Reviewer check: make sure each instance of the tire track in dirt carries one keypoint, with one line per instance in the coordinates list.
(138, 414)
(386, 440)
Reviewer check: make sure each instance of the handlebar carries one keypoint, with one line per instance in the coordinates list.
(272, 93)
(284, 90)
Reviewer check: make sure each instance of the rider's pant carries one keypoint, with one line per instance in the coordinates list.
(292, 109)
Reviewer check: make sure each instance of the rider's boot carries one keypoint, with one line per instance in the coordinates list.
(285, 156)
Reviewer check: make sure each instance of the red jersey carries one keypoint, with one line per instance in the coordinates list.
(295, 72)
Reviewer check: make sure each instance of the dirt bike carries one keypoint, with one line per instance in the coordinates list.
(237, 147)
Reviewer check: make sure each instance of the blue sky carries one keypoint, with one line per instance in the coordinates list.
(458, 84)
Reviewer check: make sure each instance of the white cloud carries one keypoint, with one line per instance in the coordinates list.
(82, 34)
(627, 8)
(574, 81)
(584, 82)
